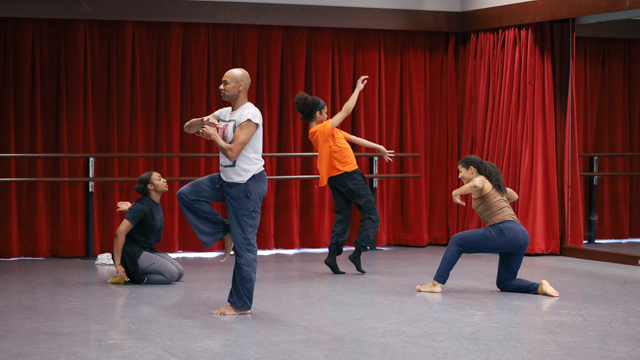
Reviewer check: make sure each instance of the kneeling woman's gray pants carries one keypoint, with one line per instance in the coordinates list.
(159, 268)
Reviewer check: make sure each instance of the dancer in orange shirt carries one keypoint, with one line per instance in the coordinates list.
(338, 168)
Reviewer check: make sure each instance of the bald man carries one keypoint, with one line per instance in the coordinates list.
(241, 184)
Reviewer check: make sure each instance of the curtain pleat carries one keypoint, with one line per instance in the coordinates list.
(509, 120)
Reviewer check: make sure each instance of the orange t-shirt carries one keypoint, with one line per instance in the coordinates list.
(334, 152)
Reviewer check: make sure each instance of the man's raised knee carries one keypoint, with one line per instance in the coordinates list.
(181, 195)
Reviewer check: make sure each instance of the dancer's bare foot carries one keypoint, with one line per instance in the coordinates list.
(433, 287)
(546, 289)
(228, 245)
(231, 310)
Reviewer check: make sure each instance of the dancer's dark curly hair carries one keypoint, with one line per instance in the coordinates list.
(144, 180)
(308, 105)
(486, 169)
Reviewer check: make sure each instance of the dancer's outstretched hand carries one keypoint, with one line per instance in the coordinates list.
(362, 82)
(387, 154)
(458, 200)
(123, 206)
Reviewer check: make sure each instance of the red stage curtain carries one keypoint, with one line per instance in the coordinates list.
(509, 120)
(607, 98)
(127, 87)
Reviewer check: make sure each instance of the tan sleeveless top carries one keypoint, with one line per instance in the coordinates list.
(493, 208)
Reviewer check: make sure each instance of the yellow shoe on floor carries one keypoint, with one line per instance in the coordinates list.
(118, 279)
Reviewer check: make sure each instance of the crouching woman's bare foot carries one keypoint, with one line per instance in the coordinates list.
(228, 245)
(546, 289)
(434, 287)
(231, 310)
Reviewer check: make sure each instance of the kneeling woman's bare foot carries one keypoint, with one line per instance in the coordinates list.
(231, 310)
(433, 287)
(546, 289)
(228, 245)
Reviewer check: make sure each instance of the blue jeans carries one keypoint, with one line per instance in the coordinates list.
(244, 202)
(508, 238)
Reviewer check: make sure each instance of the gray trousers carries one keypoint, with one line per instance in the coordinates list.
(159, 268)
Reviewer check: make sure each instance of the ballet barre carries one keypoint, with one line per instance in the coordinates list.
(91, 179)
(593, 176)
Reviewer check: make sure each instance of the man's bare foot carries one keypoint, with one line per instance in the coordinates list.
(433, 287)
(231, 310)
(228, 245)
(546, 289)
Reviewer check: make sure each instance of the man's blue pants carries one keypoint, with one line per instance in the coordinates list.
(244, 202)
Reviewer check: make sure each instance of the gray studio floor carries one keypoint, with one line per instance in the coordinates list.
(63, 309)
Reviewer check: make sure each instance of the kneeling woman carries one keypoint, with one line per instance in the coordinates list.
(505, 235)
(134, 248)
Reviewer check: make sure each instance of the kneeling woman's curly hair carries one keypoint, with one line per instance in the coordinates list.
(308, 105)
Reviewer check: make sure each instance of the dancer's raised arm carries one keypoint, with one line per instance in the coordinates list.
(350, 104)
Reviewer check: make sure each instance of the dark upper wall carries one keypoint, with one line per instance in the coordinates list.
(305, 15)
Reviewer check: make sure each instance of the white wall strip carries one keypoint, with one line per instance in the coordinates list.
(426, 5)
